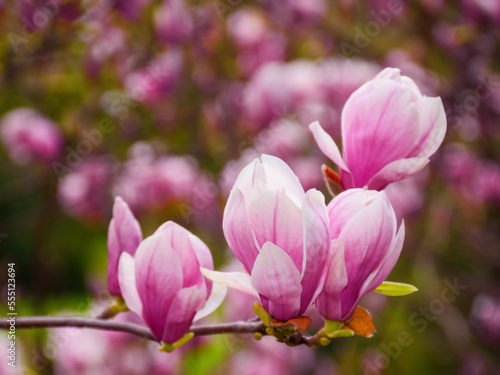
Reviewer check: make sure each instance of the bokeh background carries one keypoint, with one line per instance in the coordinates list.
(163, 102)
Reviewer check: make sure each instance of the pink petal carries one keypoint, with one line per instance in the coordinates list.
(327, 145)
(387, 264)
(316, 245)
(396, 171)
(181, 313)
(204, 256)
(279, 175)
(432, 126)
(178, 238)
(276, 277)
(329, 300)
(213, 302)
(237, 230)
(128, 287)
(124, 235)
(344, 206)
(379, 125)
(275, 218)
(236, 280)
(368, 238)
(158, 273)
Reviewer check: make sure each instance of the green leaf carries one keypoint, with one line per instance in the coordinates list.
(390, 288)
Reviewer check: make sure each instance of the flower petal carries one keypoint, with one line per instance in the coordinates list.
(237, 230)
(126, 277)
(279, 175)
(274, 217)
(276, 277)
(236, 280)
(178, 238)
(396, 171)
(432, 126)
(181, 313)
(379, 126)
(329, 300)
(327, 145)
(158, 273)
(386, 266)
(213, 302)
(124, 235)
(316, 229)
(368, 237)
(344, 206)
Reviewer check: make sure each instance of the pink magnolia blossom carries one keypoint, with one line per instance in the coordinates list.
(124, 235)
(365, 246)
(163, 284)
(389, 131)
(30, 136)
(173, 22)
(281, 235)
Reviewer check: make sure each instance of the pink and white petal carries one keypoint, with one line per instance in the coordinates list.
(390, 73)
(158, 273)
(316, 235)
(237, 230)
(396, 171)
(344, 206)
(124, 235)
(385, 268)
(204, 256)
(244, 181)
(126, 277)
(328, 301)
(327, 145)
(279, 175)
(181, 313)
(178, 239)
(368, 237)
(379, 126)
(236, 280)
(213, 302)
(276, 277)
(432, 126)
(274, 217)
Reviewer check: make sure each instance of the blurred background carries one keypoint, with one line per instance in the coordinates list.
(163, 103)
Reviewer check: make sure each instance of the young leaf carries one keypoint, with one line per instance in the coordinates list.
(390, 288)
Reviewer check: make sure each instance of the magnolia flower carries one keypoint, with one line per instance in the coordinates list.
(365, 247)
(30, 136)
(389, 131)
(280, 234)
(163, 284)
(124, 236)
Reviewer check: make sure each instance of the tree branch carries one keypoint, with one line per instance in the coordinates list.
(134, 329)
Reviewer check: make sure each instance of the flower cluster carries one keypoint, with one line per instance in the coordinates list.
(297, 251)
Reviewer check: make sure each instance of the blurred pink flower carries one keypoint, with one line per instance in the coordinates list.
(159, 78)
(485, 317)
(298, 13)
(147, 181)
(269, 357)
(389, 131)
(84, 192)
(163, 284)
(29, 136)
(477, 179)
(366, 244)
(173, 22)
(283, 248)
(257, 43)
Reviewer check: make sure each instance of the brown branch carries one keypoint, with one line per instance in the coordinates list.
(134, 329)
